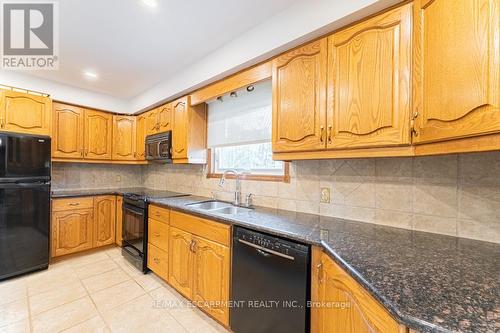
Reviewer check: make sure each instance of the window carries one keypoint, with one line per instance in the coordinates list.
(239, 134)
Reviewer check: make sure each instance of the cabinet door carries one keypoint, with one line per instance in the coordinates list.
(369, 82)
(67, 134)
(180, 128)
(25, 113)
(165, 117)
(119, 218)
(72, 231)
(124, 138)
(211, 277)
(98, 136)
(180, 261)
(152, 124)
(343, 306)
(457, 69)
(104, 220)
(299, 98)
(141, 137)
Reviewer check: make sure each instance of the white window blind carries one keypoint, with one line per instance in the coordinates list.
(245, 119)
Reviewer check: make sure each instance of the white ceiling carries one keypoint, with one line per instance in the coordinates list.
(133, 47)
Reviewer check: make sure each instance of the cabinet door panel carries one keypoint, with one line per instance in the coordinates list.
(26, 113)
(119, 217)
(180, 261)
(158, 261)
(299, 98)
(152, 124)
(211, 277)
(141, 138)
(67, 134)
(104, 220)
(71, 231)
(124, 138)
(165, 117)
(179, 132)
(98, 135)
(369, 82)
(349, 308)
(457, 69)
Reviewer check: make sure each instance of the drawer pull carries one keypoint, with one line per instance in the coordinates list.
(156, 260)
(156, 234)
(74, 204)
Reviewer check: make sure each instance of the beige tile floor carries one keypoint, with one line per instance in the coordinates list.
(97, 292)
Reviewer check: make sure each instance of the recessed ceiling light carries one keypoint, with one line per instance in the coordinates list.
(150, 3)
(90, 75)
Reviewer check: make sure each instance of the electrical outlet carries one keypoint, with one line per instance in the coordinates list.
(325, 195)
(118, 178)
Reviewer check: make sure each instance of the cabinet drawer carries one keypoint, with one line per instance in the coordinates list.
(214, 231)
(158, 261)
(158, 234)
(159, 213)
(72, 203)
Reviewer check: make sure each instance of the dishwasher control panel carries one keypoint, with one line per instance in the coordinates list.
(269, 242)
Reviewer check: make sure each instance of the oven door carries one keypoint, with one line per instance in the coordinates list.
(133, 227)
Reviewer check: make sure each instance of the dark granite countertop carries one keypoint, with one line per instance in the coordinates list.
(429, 282)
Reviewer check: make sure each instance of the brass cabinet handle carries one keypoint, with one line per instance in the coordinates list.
(329, 133)
(1, 123)
(192, 246)
(321, 130)
(156, 234)
(74, 204)
(319, 267)
(156, 260)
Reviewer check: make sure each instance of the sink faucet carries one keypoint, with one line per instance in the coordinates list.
(237, 192)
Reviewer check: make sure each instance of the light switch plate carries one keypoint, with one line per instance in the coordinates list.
(325, 195)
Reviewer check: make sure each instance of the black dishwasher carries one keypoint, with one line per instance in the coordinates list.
(270, 284)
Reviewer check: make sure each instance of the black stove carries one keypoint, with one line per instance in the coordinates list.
(135, 223)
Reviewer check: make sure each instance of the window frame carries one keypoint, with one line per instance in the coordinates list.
(285, 178)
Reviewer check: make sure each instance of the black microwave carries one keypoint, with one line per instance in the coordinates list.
(159, 147)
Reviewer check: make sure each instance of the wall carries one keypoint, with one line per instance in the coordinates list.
(90, 176)
(456, 195)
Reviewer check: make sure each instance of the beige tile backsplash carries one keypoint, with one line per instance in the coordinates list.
(456, 195)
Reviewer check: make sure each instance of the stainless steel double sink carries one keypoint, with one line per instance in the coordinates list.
(215, 206)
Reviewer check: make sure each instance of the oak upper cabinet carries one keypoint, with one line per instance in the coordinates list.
(25, 113)
(456, 69)
(104, 220)
(369, 82)
(189, 132)
(124, 138)
(98, 136)
(180, 261)
(67, 131)
(211, 277)
(141, 137)
(165, 117)
(152, 122)
(299, 98)
(352, 310)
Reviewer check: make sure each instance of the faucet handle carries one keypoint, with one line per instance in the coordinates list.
(248, 200)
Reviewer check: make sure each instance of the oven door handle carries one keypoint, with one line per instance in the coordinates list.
(133, 210)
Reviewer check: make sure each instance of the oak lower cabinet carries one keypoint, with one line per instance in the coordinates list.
(25, 113)
(189, 132)
(456, 70)
(341, 305)
(82, 223)
(104, 220)
(198, 257)
(119, 218)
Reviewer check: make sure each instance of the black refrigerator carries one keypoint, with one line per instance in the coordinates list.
(24, 203)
